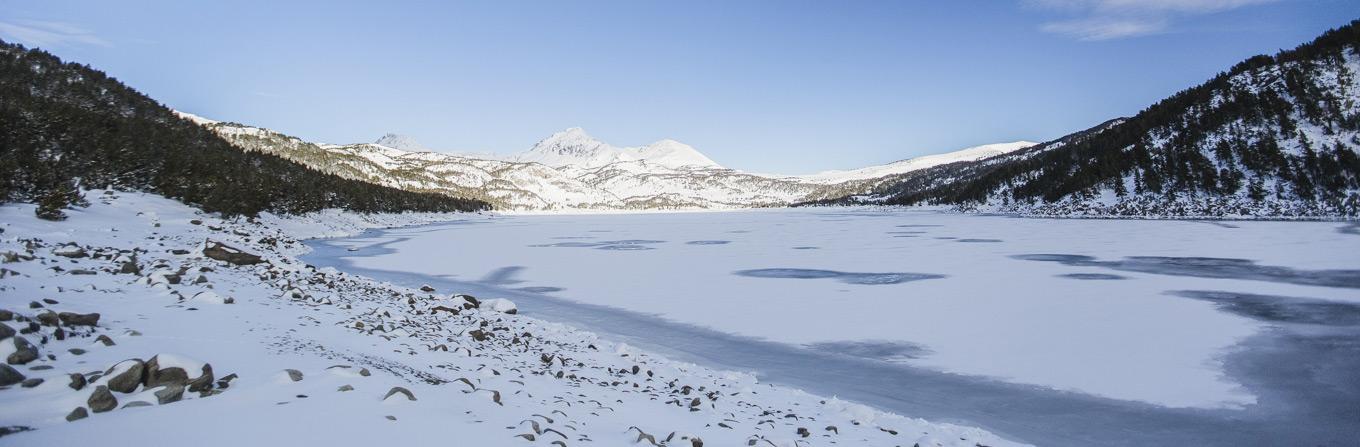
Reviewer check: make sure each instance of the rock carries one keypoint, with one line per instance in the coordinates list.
(225, 381)
(125, 376)
(77, 414)
(230, 255)
(426, 288)
(6, 315)
(48, 318)
(399, 390)
(105, 340)
(345, 387)
(77, 382)
(364, 372)
(24, 352)
(34, 305)
(196, 222)
(70, 251)
(499, 305)
(294, 374)
(158, 374)
(171, 393)
(469, 301)
(9, 375)
(32, 382)
(102, 400)
(129, 266)
(50, 301)
(6, 331)
(76, 351)
(137, 403)
(75, 319)
(179, 252)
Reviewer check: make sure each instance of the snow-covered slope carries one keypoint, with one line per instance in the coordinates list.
(922, 162)
(576, 148)
(121, 326)
(401, 142)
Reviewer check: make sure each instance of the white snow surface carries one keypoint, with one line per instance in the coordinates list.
(342, 331)
(917, 163)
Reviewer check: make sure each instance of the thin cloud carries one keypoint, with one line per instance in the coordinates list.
(1117, 19)
(41, 33)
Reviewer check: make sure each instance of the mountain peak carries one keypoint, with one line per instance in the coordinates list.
(401, 142)
(675, 154)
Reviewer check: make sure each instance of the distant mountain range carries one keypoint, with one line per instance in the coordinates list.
(573, 170)
(1274, 136)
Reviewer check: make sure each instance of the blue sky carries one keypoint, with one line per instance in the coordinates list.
(778, 86)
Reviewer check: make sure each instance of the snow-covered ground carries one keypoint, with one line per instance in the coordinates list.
(300, 355)
(962, 294)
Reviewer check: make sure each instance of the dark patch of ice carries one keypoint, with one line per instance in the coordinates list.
(624, 247)
(1092, 276)
(625, 244)
(540, 289)
(874, 349)
(867, 279)
(919, 226)
(1280, 309)
(1210, 268)
(1352, 229)
(978, 240)
(807, 248)
(708, 242)
(503, 275)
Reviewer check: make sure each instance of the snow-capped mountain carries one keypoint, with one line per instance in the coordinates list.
(1274, 136)
(401, 142)
(572, 170)
(577, 149)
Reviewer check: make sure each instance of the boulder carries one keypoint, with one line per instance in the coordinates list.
(468, 301)
(70, 251)
(165, 369)
(77, 414)
(31, 382)
(171, 394)
(75, 319)
(102, 400)
(24, 352)
(48, 318)
(399, 390)
(125, 376)
(230, 255)
(499, 305)
(9, 375)
(426, 288)
(6, 315)
(6, 331)
(77, 382)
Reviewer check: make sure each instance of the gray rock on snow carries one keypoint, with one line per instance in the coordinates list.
(9, 375)
(294, 374)
(230, 255)
(157, 376)
(31, 382)
(102, 400)
(171, 394)
(127, 381)
(24, 351)
(6, 331)
(399, 390)
(77, 382)
(77, 414)
(75, 319)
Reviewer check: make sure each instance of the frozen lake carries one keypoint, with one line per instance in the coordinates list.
(1052, 331)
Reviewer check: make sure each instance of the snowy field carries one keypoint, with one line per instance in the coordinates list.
(1151, 313)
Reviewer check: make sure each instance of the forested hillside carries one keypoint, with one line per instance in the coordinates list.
(66, 126)
(1274, 136)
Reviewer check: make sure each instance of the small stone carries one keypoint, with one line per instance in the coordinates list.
(170, 394)
(399, 390)
(75, 319)
(35, 305)
(24, 352)
(6, 331)
(48, 318)
(32, 382)
(294, 374)
(77, 414)
(50, 301)
(102, 400)
(426, 288)
(364, 372)
(76, 351)
(345, 388)
(105, 340)
(9, 375)
(230, 255)
(391, 417)
(6, 315)
(77, 382)
(225, 381)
